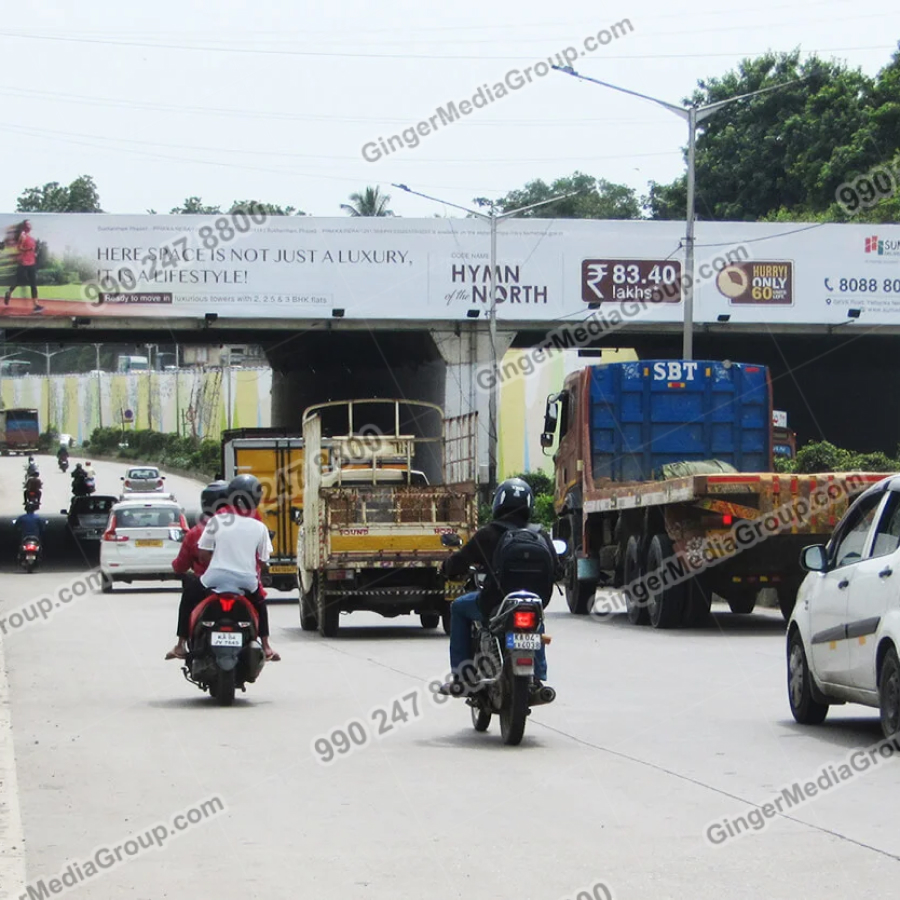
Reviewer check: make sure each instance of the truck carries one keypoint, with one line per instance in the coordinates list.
(664, 487)
(275, 457)
(19, 431)
(377, 500)
(132, 363)
(784, 441)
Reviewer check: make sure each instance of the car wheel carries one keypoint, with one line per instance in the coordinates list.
(889, 694)
(635, 609)
(106, 584)
(805, 709)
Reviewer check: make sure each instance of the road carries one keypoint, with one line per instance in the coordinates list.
(654, 736)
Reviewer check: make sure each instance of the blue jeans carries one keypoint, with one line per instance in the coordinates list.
(465, 610)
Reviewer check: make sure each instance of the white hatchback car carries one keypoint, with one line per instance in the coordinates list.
(141, 540)
(844, 634)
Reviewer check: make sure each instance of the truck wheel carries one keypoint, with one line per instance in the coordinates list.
(666, 607)
(636, 609)
(579, 594)
(329, 614)
(804, 708)
(697, 602)
(787, 597)
(430, 620)
(308, 604)
(742, 604)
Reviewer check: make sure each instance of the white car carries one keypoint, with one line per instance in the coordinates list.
(844, 634)
(141, 540)
(143, 480)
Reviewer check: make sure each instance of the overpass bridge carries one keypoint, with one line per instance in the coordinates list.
(399, 307)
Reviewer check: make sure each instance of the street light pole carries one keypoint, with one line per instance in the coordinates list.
(693, 115)
(493, 219)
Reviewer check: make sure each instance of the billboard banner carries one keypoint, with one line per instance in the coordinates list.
(248, 265)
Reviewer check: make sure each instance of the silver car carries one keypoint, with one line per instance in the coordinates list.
(143, 480)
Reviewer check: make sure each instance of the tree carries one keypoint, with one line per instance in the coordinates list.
(270, 209)
(371, 202)
(194, 206)
(596, 199)
(790, 148)
(81, 196)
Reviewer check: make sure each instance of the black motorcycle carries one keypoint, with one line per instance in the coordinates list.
(500, 676)
(63, 463)
(83, 487)
(224, 650)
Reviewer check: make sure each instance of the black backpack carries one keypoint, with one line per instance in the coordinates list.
(523, 561)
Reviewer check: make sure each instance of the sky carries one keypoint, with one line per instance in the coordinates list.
(274, 102)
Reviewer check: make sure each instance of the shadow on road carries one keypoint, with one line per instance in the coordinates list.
(367, 633)
(850, 733)
(752, 625)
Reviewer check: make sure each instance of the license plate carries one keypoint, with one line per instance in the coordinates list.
(30, 557)
(282, 570)
(226, 639)
(516, 641)
(141, 543)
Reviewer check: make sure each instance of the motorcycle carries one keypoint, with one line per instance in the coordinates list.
(83, 487)
(224, 650)
(501, 672)
(63, 463)
(33, 498)
(29, 553)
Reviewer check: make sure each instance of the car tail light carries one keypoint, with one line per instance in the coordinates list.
(110, 533)
(525, 619)
(127, 483)
(159, 482)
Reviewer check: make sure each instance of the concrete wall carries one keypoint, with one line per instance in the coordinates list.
(191, 401)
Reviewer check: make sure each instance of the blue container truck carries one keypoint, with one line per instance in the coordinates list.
(665, 489)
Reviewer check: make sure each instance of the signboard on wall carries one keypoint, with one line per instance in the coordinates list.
(432, 270)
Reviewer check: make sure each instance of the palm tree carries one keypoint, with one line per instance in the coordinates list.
(370, 202)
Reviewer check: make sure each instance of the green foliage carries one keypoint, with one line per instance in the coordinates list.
(154, 447)
(596, 199)
(270, 209)
(823, 456)
(49, 440)
(538, 481)
(194, 206)
(544, 513)
(80, 196)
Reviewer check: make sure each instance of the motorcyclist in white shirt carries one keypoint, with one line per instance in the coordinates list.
(236, 545)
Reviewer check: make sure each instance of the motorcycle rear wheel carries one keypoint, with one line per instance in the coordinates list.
(224, 687)
(514, 710)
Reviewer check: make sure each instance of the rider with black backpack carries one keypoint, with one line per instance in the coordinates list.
(515, 556)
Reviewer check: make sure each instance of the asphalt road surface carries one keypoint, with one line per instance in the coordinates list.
(655, 737)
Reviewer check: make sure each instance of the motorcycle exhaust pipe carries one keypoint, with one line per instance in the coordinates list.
(543, 696)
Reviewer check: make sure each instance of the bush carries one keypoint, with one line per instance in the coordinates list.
(49, 440)
(822, 456)
(200, 457)
(539, 482)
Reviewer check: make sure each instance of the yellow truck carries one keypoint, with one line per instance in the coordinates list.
(372, 519)
(275, 457)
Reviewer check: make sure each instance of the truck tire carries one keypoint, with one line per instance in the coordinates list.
(430, 620)
(308, 606)
(635, 609)
(328, 614)
(787, 597)
(579, 594)
(697, 602)
(666, 607)
(742, 604)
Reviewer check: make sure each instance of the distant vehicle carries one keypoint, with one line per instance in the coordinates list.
(65, 440)
(133, 364)
(87, 516)
(19, 431)
(140, 541)
(142, 480)
(784, 441)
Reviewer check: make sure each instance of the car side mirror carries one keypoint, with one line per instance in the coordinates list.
(814, 559)
(547, 439)
(451, 540)
(122, 478)
(63, 512)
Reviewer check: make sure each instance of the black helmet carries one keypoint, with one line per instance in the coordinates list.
(513, 498)
(246, 491)
(212, 496)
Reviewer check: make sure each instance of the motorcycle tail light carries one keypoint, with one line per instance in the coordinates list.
(225, 628)
(226, 603)
(525, 619)
(526, 661)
